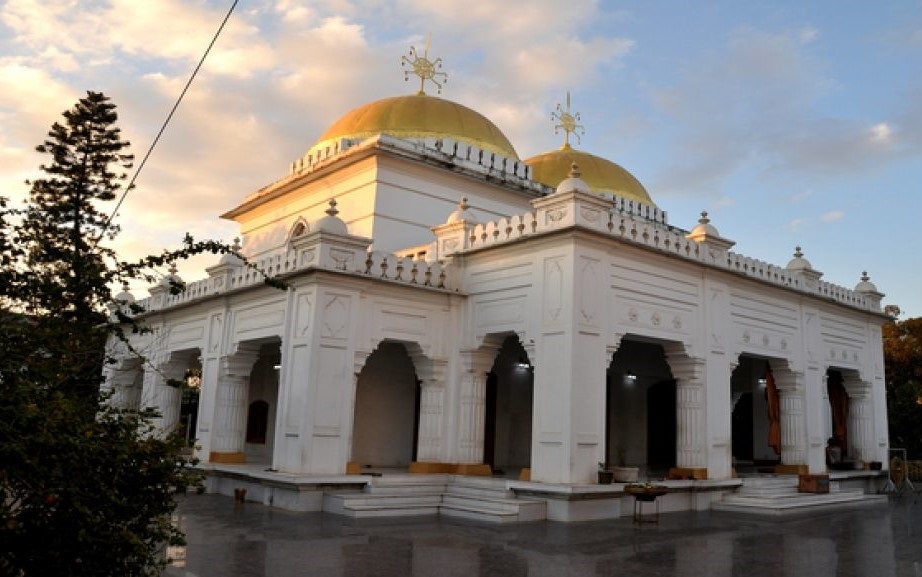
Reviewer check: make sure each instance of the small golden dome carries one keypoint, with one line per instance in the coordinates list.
(601, 175)
(420, 116)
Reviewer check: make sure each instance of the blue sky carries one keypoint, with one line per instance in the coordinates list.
(791, 123)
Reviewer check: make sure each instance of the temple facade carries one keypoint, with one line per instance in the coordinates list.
(452, 309)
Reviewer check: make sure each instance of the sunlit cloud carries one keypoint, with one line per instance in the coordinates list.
(881, 132)
(832, 216)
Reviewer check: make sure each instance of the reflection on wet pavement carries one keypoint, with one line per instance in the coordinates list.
(236, 540)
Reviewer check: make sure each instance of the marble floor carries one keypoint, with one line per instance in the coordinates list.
(250, 540)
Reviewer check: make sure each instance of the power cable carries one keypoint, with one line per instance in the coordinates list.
(165, 123)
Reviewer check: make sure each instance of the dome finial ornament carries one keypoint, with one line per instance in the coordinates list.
(332, 211)
(568, 122)
(424, 68)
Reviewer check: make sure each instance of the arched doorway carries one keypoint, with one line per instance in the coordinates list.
(386, 421)
(508, 411)
(262, 403)
(640, 426)
(751, 420)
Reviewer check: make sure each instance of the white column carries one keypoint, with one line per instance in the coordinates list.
(161, 395)
(124, 380)
(473, 404)
(230, 407)
(793, 416)
(431, 409)
(861, 427)
(691, 408)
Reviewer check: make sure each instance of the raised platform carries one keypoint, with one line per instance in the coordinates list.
(778, 495)
(394, 493)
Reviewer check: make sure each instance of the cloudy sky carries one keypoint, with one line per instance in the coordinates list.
(791, 123)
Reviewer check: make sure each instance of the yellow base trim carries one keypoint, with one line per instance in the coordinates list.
(525, 474)
(227, 457)
(353, 468)
(431, 468)
(791, 469)
(475, 469)
(696, 473)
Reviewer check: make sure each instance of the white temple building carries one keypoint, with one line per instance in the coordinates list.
(462, 328)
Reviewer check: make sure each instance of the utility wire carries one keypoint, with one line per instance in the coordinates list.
(165, 123)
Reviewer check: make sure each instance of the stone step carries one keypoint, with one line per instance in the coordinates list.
(372, 511)
(482, 515)
(477, 502)
(485, 492)
(775, 486)
(795, 504)
(479, 482)
(384, 491)
(493, 512)
(408, 480)
(343, 503)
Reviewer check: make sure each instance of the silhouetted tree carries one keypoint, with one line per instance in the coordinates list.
(903, 365)
(85, 488)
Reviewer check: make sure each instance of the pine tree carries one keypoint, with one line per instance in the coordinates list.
(63, 230)
(85, 489)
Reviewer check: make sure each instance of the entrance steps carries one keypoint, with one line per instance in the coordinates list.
(476, 498)
(389, 496)
(490, 500)
(777, 495)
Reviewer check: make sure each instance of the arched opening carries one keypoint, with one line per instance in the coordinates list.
(508, 412)
(262, 403)
(640, 428)
(755, 420)
(386, 419)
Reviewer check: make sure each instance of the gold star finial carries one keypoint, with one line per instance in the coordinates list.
(424, 68)
(568, 122)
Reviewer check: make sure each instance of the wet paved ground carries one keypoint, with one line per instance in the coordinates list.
(231, 540)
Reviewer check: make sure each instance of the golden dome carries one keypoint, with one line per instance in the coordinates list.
(601, 175)
(420, 116)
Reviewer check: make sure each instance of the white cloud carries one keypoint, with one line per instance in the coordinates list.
(794, 224)
(808, 34)
(881, 132)
(758, 105)
(832, 216)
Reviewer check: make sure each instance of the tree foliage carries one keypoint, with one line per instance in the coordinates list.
(85, 488)
(903, 360)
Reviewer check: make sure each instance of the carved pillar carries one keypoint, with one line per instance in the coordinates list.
(691, 407)
(861, 426)
(231, 407)
(473, 403)
(165, 397)
(124, 379)
(793, 416)
(431, 407)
